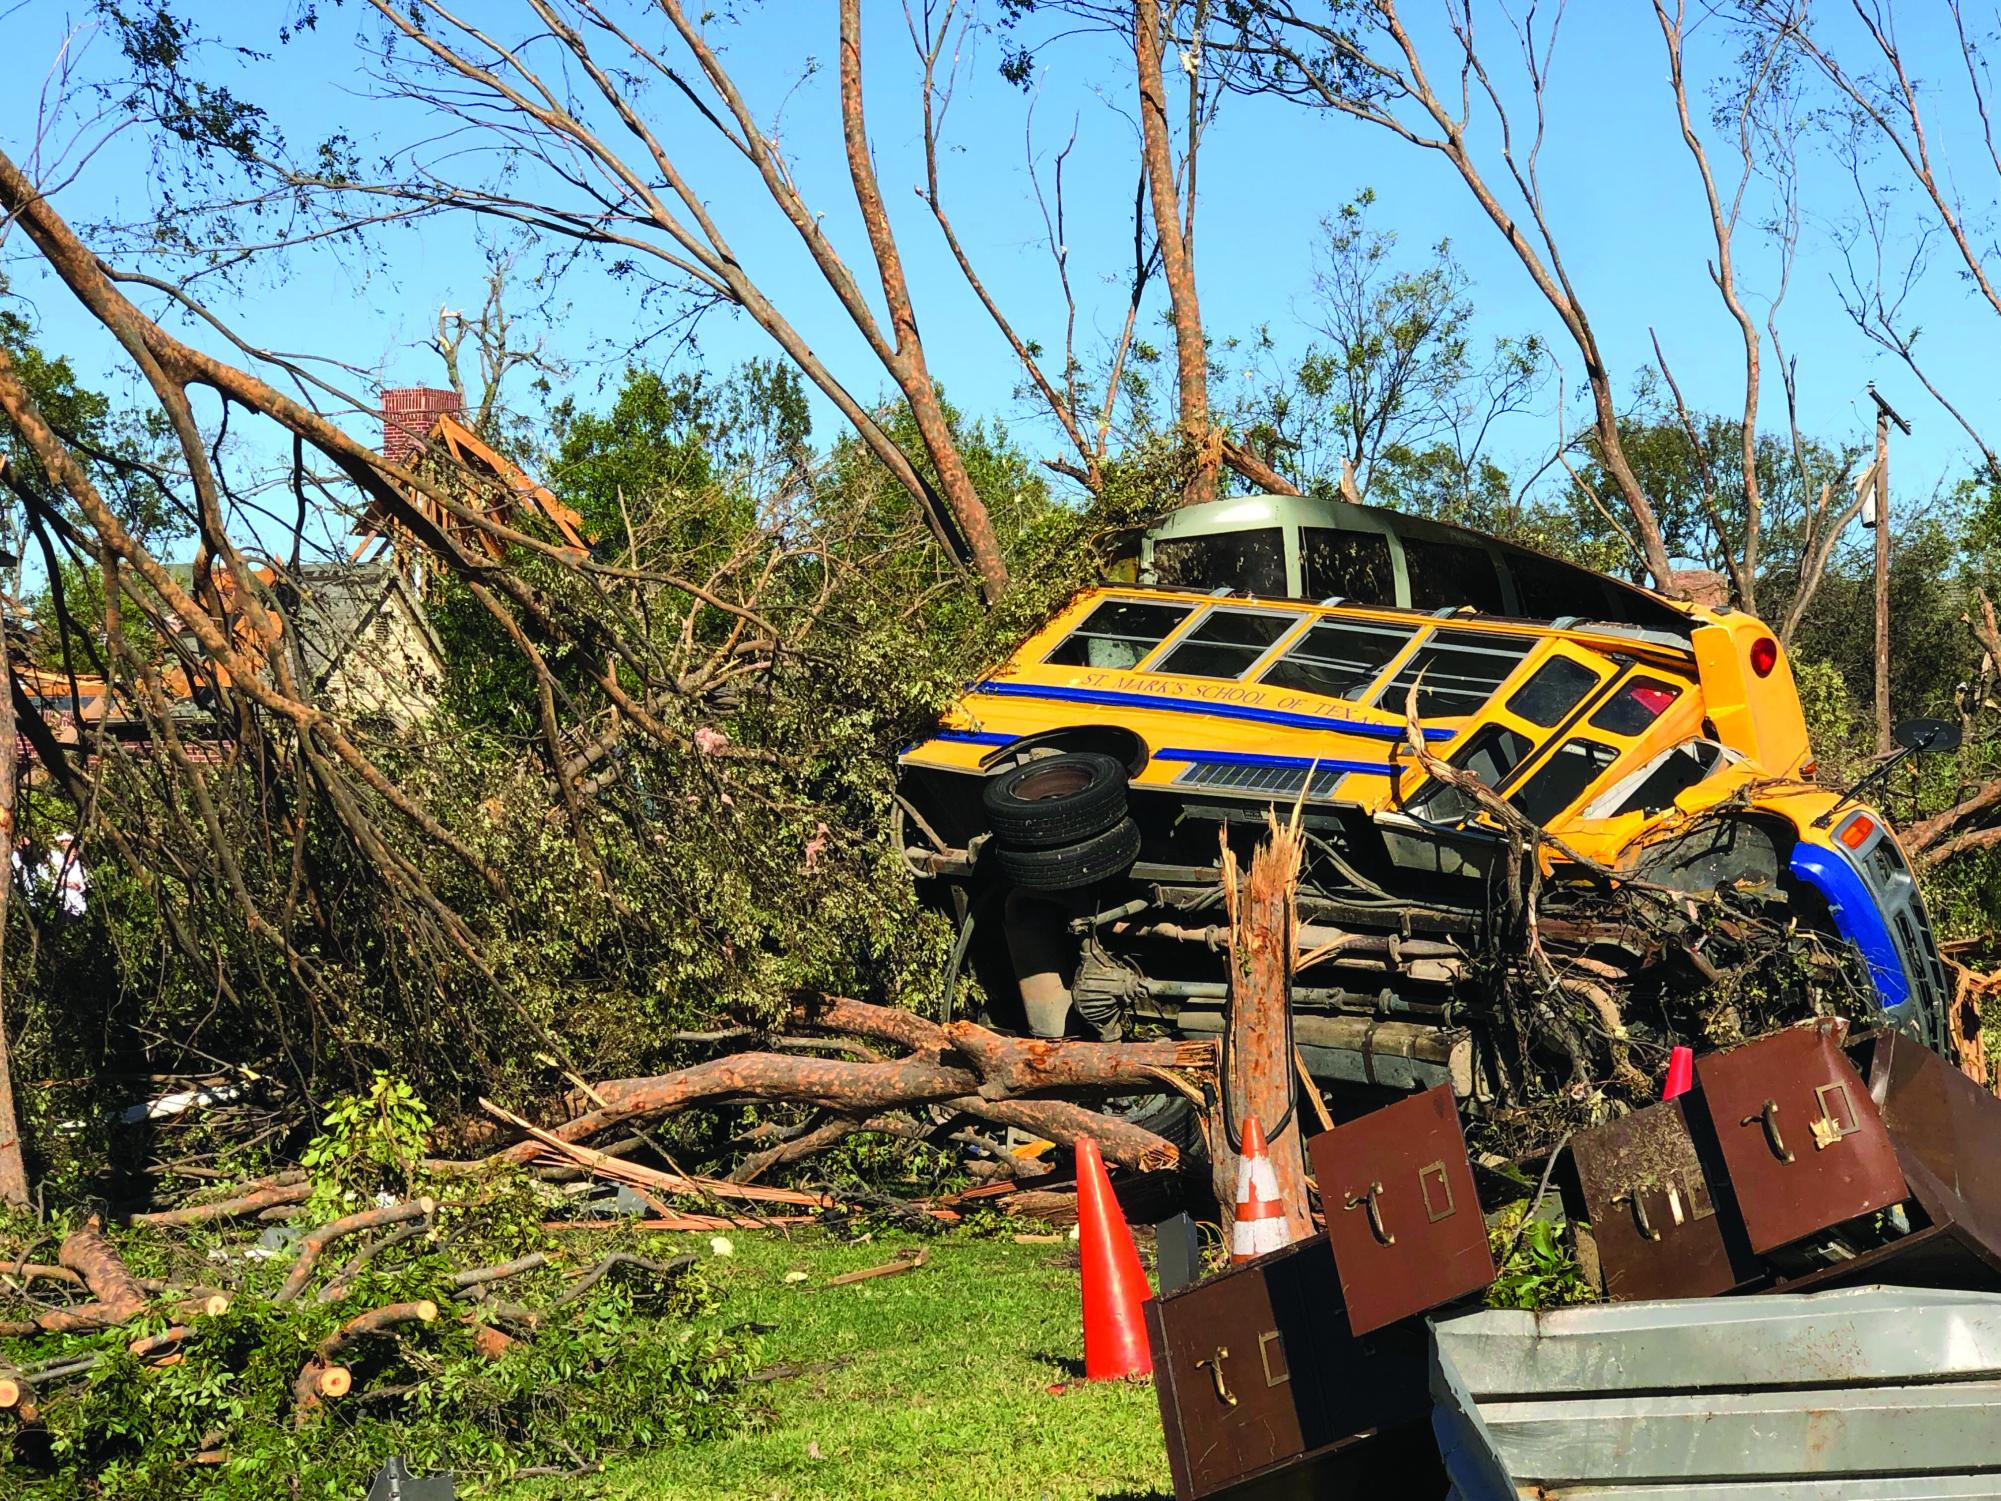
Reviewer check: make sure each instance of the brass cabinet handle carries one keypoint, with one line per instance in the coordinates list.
(1770, 1116)
(1215, 1366)
(1639, 1213)
(1370, 1198)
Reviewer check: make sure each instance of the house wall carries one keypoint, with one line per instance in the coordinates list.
(388, 672)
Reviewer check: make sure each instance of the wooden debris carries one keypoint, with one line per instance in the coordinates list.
(888, 1269)
(1257, 1056)
(479, 1276)
(289, 1189)
(87, 1253)
(590, 1277)
(966, 1069)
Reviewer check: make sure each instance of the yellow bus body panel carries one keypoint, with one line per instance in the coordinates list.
(1357, 749)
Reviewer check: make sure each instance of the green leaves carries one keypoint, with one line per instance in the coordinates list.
(368, 1142)
(629, 1366)
(1541, 1272)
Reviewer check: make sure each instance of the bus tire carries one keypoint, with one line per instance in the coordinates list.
(1055, 800)
(1069, 866)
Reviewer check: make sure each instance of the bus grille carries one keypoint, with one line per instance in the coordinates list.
(1271, 781)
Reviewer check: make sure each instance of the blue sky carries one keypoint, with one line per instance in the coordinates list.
(1622, 190)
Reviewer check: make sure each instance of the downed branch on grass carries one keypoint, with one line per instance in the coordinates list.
(34, 1271)
(590, 1278)
(480, 1276)
(87, 1253)
(963, 1068)
(468, 1367)
(604, 1166)
(118, 1296)
(888, 1269)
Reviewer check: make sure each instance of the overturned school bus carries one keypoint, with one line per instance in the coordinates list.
(1068, 808)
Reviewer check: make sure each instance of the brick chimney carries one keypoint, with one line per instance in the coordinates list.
(408, 414)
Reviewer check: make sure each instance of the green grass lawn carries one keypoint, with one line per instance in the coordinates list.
(945, 1389)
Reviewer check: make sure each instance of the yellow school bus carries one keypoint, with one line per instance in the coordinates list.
(1262, 656)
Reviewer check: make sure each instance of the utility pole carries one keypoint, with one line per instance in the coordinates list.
(1880, 519)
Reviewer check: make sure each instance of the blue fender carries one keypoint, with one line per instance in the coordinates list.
(1858, 917)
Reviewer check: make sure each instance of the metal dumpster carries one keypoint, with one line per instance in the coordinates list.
(1885, 1393)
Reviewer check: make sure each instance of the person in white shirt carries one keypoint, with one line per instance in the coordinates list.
(63, 869)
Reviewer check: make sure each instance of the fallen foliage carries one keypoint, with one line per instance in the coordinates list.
(250, 1360)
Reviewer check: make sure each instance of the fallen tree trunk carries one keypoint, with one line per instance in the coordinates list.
(87, 1253)
(119, 1297)
(1011, 1066)
(1119, 1140)
(833, 1013)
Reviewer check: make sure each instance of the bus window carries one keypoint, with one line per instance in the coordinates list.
(1353, 566)
(1446, 575)
(1338, 658)
(1635, 706)
(1118, 634)
(1225, 644)
(1461, 670)
(1552, 691)
(1490, 755)
(1655, 786)
(1562, 779)
(1252, 562)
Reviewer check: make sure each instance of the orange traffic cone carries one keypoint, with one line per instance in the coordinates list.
(1114, 1284)
(1259, 1223)
(1680, 1074)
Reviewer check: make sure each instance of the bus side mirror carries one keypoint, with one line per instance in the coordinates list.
(1923, 735)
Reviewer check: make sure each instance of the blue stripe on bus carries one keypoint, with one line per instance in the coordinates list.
(1108, 698)
(1208, 757)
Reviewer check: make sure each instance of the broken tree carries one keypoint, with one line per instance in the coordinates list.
(1256, 1072)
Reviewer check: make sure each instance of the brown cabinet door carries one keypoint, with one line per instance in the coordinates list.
(1804, 1145)
(1295, 1386)
(1951, 1125)
(1402, 1214)
(1654, 1212)
(1228, 1369)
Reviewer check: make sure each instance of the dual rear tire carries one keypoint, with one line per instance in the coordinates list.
(1060, 822)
